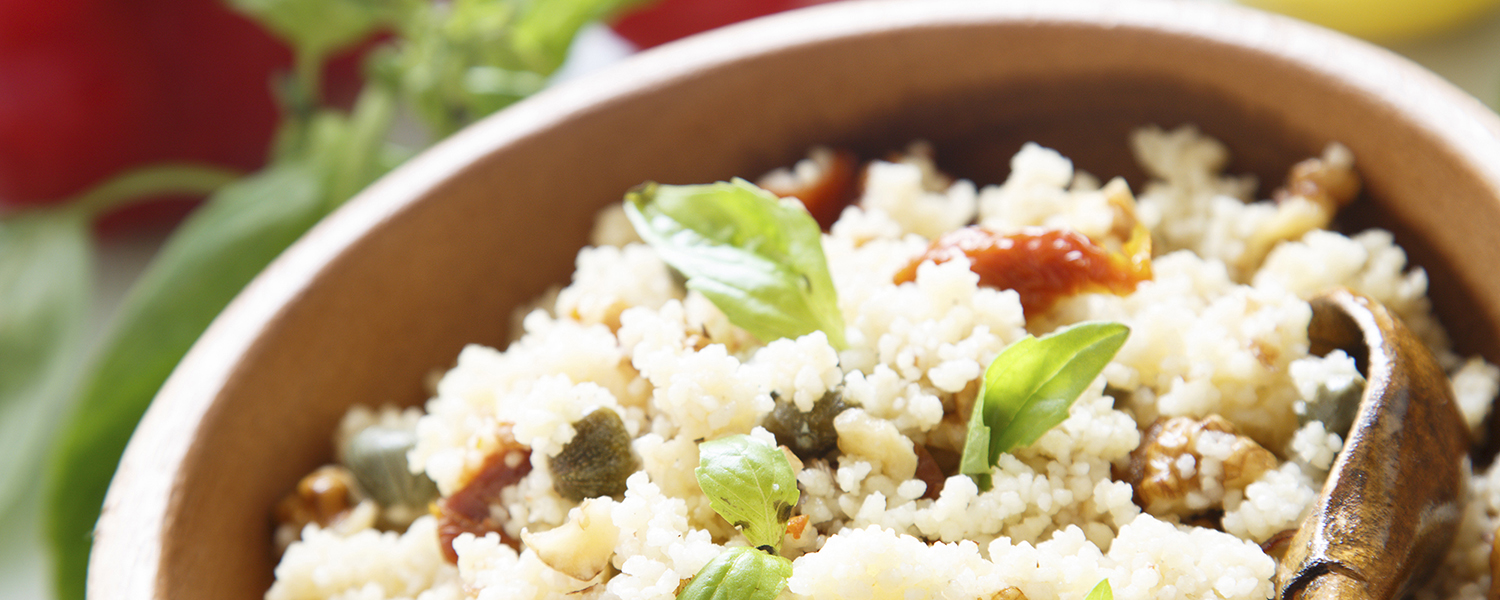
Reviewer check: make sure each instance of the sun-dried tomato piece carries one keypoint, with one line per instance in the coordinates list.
(1042, 265)
(929, 472)
(825, 197)
(468, 510)
(796, 525)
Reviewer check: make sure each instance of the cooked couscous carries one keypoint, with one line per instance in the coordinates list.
(1175, 474)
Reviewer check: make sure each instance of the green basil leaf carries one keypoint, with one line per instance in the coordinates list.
(757, 257)
(975, 461)
(208, 259)
(45, 282)
(739, 574)
(1029, 388)
(750, 484)
(1101, 591)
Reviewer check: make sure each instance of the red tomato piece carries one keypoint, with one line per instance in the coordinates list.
(836, 188)
(1043, 266)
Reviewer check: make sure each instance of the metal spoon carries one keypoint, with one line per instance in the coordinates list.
(1395, 495)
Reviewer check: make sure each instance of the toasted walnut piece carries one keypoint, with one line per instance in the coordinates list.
(1184, 465)
(328, 496)
(1010, 593)
(1276, 545)
(876, 440)
(1314, 191)
(321, 497)
(1329, 181)
(582, 547)
(930, 472)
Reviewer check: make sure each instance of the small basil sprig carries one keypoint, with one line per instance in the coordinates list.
(758, 258)
(741, 573)
(1101, 591)
(750, 484)
(753, 486)
(1029, 388)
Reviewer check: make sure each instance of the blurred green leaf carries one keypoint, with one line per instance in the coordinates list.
(546, 28)
(45, 284)
(45, 281)
(205, 263)
(350, 152)
(208, 259)
(163, 179)
(318, 27)
(464, 59)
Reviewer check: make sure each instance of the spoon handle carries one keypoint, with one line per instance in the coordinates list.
(1394, 497)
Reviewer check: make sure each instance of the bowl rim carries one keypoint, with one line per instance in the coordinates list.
(126, 555)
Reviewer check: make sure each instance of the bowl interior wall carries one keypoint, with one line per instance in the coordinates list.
(450, 269)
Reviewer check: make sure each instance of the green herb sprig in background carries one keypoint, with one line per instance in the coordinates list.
(448, 63)
(1029, 388)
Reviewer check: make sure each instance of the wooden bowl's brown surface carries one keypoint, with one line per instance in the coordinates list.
(436, 255)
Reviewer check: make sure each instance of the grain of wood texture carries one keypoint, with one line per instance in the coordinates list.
(1392, 502)
(436, 254)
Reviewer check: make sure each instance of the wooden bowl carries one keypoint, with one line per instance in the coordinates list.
(435, 255)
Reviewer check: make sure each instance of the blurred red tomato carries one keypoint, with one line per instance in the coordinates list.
(662, 21)
(76, 96)
(90, 88)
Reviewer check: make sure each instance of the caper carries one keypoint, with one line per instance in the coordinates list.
(597, 461)
(377, 457)
(809, 434)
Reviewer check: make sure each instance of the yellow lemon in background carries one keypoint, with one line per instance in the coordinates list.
(1382, 20)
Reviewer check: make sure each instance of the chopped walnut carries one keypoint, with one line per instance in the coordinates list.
(580, 548)
(1314, 191)
(325, 496)
(1010, 593)
(321, 497)
(1184, 465)
(1329, 181)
